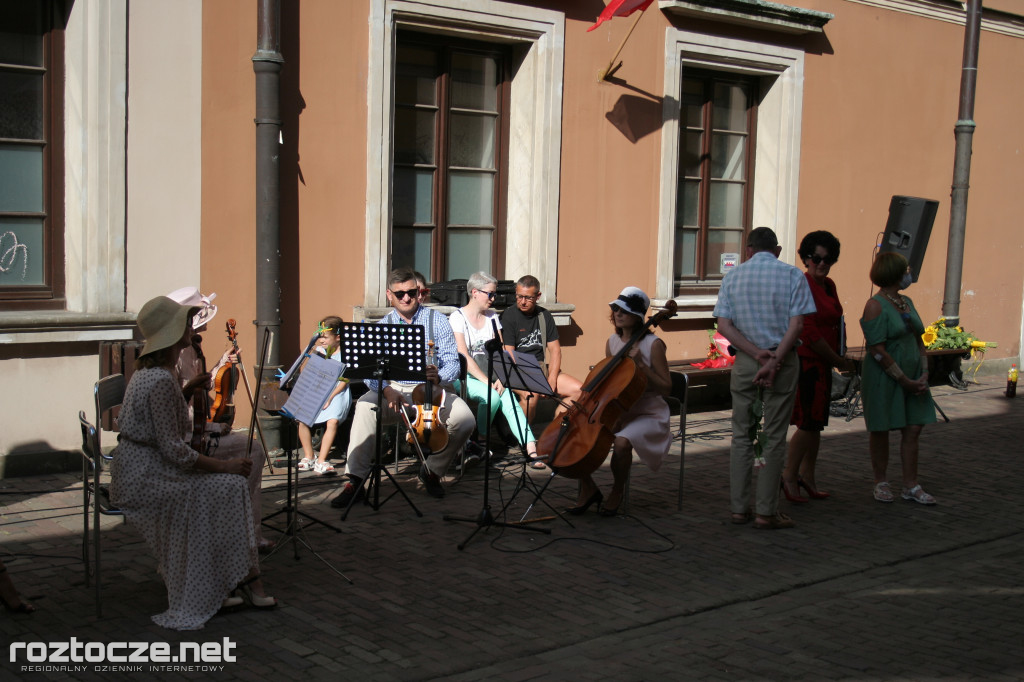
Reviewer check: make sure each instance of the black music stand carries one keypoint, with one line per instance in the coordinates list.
(485, 518)
(524, 373)
(382, 352)
(293, 530)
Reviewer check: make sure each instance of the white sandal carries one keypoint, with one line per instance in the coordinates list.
(323, 468)
(883, 493)
(306, 464)
(917, 494)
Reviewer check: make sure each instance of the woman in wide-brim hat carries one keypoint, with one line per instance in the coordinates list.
(644, 427)
(193, 510)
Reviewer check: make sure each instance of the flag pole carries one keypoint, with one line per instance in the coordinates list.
(608, 71)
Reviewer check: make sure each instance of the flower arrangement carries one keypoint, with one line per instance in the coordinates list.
(937, 335)
(716, 358)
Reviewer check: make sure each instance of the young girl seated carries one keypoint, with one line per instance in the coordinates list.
(335, 408)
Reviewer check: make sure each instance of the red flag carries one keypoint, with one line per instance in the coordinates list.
(620, 8)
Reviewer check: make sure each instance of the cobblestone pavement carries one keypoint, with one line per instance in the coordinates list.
(857, 591)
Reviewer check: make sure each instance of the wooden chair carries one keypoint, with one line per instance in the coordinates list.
(108, 392)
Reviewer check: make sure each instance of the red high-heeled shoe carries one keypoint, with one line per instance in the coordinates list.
(811, 492)
(791, 497)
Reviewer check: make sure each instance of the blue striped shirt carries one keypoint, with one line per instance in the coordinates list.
(761, 295)
(446, 353)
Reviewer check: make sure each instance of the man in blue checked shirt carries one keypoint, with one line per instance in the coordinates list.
(760, 311)
(403, 294)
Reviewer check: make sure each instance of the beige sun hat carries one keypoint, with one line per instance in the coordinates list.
(162, 321)
(192, 296)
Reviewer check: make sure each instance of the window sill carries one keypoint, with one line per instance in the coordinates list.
(693, 307)
(65, 327)
(562, 312)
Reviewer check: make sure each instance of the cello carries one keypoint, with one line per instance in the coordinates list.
(222, 411)
(578, 443)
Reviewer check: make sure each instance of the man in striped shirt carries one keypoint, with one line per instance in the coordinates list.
(403, 294)
(760, 311)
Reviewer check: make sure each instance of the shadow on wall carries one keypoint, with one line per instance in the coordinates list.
(38, 457)
(638, 115)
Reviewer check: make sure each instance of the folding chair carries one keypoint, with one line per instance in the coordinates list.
(676, 400)
(108, 392)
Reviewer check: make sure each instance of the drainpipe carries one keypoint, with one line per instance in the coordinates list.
(964, 133)
(266, 63)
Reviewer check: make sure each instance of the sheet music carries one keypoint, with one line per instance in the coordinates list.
(521, 372)
(298, 361)
(315, 383)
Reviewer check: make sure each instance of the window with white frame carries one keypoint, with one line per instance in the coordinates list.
(730, 156)
(716, 155)
(449, 156)
(520, 234)
(31, 155)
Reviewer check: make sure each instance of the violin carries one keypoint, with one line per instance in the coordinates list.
(578, 443)
(223, 409)
(200, 402)
(427, 429)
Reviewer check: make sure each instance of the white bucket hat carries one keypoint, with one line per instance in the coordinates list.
(632, 300)
(162, 322)
(191, 296)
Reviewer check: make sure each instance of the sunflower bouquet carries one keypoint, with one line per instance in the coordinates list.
(937, 336)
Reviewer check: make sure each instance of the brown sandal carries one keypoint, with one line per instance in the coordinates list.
(740, 519)
(777, 522)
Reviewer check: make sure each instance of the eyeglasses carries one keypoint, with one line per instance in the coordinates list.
(816, 259)
(411, 293)
(521, 297)
(489, 294)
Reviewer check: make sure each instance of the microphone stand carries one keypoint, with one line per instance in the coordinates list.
(485, 519)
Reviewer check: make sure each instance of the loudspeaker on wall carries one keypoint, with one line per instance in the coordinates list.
(908, 229)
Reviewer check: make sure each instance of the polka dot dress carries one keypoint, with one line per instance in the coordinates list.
(197, 524)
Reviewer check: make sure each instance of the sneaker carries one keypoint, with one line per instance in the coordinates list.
(351, 489)
(917, 494)
(306, 464)
(432, 482)
(474, 451)
(883, 493)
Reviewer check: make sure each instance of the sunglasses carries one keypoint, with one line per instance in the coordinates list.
(520, 297)
(816, 259)
(489, 294)
(411, 293)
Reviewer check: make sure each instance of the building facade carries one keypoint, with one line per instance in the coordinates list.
(460, 135)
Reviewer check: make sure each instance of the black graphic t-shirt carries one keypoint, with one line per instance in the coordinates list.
(523, 332)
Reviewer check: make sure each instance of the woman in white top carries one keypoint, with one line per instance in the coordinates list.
(645, 426)
(472, 325)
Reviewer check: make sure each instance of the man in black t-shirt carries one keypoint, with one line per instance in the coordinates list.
(529, 328)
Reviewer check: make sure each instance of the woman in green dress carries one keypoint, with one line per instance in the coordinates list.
(895, 376)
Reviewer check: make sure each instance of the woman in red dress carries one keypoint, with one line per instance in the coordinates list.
(819, 353)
